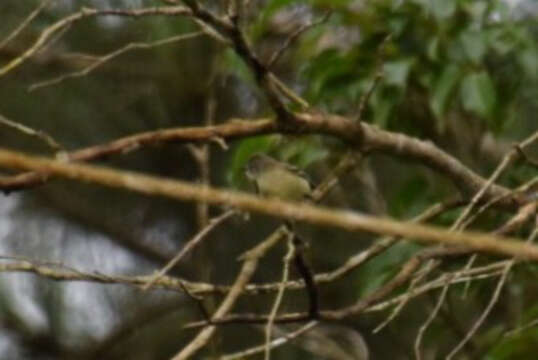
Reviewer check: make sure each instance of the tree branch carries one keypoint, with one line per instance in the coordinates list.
(373, 140)
(346, 220)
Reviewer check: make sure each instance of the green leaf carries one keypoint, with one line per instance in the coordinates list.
(442, 9)
(529, 61)
(474, 45)
(230, 61)
(501, 40)
(396, 72)
(303, 152)
(433, 49)
(478, 94)
(443, 88)
(382, 108)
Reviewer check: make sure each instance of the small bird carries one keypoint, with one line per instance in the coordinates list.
(277, 179)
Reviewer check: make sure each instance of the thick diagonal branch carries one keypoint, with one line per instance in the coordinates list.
(346, 220)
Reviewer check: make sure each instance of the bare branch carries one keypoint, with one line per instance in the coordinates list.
(373, 140)
(191, 244)
(25, 23)
(492, 301)
(84, 13)
(478, 273)
(522, 328)
(506, 161)
(60, 272)
(275, 343)
(294, 36)
(41, 135)
(429, 320)
(100, 60)
(346, 220)
(378, 75)
(250, 264)
(280, 294)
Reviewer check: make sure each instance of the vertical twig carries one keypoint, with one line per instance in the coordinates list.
(279, 296)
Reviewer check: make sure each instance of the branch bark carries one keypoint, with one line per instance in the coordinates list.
(346, 220)
(372, 138)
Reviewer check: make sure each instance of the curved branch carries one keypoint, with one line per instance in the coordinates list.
(346, 220)
(373, 140)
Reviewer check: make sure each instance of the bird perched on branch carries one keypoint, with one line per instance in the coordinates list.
(277, 179)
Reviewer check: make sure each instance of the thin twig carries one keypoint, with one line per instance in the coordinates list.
(294, 35)
(191, 244)
(279, 296)
(508, 159)
(275, 343)
(523, 215)
(84, 13)
(41, 135)
(492, 302)
(526, 157)
(25, 23)
(101, 60)
(377, 77)
(431, 317)
(520, 190)
(522, 328)
(250, 264)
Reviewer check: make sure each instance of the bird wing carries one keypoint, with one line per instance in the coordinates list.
(300, 172)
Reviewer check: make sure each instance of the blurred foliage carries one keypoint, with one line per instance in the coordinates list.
(465, 56)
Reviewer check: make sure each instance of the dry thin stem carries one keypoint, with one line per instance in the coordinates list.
(522, 328)
(524, 214)
(251, 259)
(492, 302)
(49, 33)
(377, 78)
(294, 36)
(61, 272)
(506, 161)
(288, 93)
(520, 190)
(485, 272)
(279, 296)
(458, 224)
(429, 213)
(101, 60)
(202, 157)
(398, 309)
(275, 343)
(478, 273)
(485, 313)
(431, 317)
(527, 158)
(40, 135)
(25, 23)
(356, 308)
(191, 244)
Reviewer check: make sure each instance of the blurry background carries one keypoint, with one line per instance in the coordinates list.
(461, 73)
